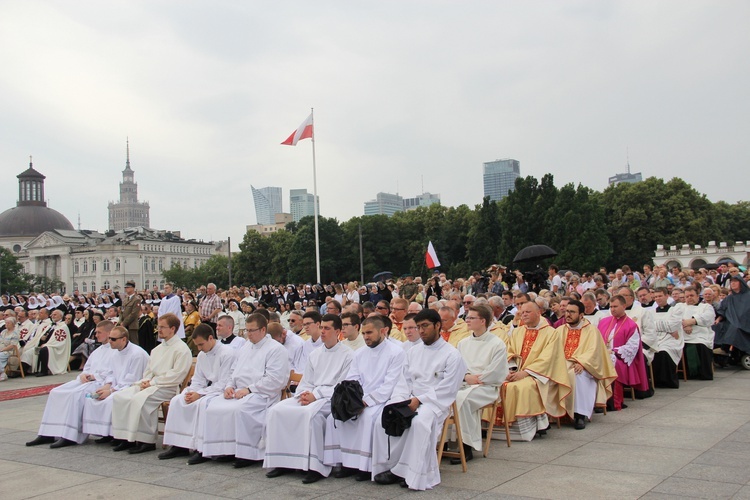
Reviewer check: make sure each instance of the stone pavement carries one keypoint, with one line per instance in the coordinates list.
(690, 442)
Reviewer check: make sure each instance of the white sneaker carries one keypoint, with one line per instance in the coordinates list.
(3, 377)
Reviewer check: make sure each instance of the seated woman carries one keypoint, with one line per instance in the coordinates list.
(85, 343)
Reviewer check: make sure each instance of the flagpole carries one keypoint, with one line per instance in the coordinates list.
(315, 200)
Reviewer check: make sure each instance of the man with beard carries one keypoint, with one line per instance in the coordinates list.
(432, 374)
(377, 368)
(590, 368)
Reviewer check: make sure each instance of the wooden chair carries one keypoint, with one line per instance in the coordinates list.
(294, 379)
(491, 424)
(165, 404)
(16, 353)
(681, 367)
(452, 419)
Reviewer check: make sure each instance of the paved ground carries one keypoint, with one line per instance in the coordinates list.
(691, 442)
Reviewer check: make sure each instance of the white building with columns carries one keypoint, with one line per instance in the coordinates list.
(696, 256)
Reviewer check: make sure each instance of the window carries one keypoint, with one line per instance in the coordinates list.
(93, 265)
(146, 284)
(153, 264)
(85, 266)
(93, 286)
(106, 285)
(105, 266)
(83, 288)
(161, 264)
(75, 285)
(145, 265)
(161, 284)
(117, 264)
(75, 267)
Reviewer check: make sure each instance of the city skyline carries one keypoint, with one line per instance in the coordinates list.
(207, 93)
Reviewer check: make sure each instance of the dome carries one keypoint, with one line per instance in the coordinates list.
(30, 220)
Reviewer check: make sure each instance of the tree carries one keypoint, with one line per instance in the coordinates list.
(12, 277)
(483, 240)
(302, 251)
(254, 259)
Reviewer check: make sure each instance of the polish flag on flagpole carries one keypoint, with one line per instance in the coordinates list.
(305, 131)
(431, 257)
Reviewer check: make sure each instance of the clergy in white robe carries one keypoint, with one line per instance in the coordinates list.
(664, 340)
(432, 375)
(134, 414)
(486, 358)
(697, 319)
(292, 344)
(311, 323)
(295, 432)
(411, 332)
(377, 368)
(52, 349)
(352, 338)
(212, 371)
(128, 363)
(225, 335)
(235, 424)
(172, 303)
(63, 413)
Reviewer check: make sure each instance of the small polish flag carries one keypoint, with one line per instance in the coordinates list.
(305, 131)
(431, 257)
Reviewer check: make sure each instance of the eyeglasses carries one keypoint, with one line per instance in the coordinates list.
(397, 309)
(471, 318)
(382, 308)
(252, 330)
(112, 339)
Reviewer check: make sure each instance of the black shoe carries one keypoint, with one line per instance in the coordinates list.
(142, 448)
(387, 477)
(42, 373)
(241, 463)
(41, 440)
(342, 472)
(278, 471)
(174, 452)
(104, 439)
(115, 442)
(403, 484)
(125, 445)
(468, 453)
(312, 476)
(62, 443)
(598, 410)
(197, 458)
(363, 476)
(623, 406)
(225, 459)
(580, 422)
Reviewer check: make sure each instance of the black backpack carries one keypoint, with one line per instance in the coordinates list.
(397, 418)
(346, 402)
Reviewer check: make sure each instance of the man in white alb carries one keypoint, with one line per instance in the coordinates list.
(296, 426)
(172, 303)
(212, 371)
(377, 368)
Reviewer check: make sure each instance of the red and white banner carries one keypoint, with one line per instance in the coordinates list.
(431, 257)
(305, 131)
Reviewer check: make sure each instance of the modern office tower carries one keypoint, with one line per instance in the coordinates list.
(302, 203)
(267, 202)
(500, 177)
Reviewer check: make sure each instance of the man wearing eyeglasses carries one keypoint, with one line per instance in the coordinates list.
(350, 327)
(399, 308)
(64, 409)
(429, 381)
(234, 425)
(486, 361)
(134, 417)
(311, 323)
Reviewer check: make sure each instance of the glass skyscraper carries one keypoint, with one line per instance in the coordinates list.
(500, 177)
(267, 204)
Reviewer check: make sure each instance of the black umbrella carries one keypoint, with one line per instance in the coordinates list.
(711, 266)
(534, 252)
(728, 261)
(382, 276)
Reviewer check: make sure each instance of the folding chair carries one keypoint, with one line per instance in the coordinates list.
(164, 406)
(452, 419)
(17, 354)
(295, 377)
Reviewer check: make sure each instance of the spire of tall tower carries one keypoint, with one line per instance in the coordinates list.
(627, 157)
(127, 153)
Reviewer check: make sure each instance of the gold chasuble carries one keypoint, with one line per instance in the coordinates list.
(500, 329)
(457, 333)
(539, 352)
(586, 347)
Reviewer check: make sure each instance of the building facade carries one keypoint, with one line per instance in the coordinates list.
(422, 200)
(500, 178)
(384, 204)
(696, 256)
(302, 203)
(88, 260)
(128, 212)
(280, 222)
(267, 202)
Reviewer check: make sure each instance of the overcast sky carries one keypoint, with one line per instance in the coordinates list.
(402, 90)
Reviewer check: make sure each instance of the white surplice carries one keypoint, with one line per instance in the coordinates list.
(377, 369)
(705, 315)
(355, 344)
(295, 433)
(128, 366)
(409, 344)
(293, 345)
(134, 412)
(237, 426)
(657, 334)
(307, 347)
(433, 374)
(63, 412)
(173, 304)
(486, 356)
(212, 372)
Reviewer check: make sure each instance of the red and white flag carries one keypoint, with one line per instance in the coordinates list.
(431, 257)
(305, 131)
